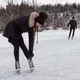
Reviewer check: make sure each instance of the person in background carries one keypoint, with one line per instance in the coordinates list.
(73, 25)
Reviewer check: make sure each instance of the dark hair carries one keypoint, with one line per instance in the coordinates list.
(73, 17)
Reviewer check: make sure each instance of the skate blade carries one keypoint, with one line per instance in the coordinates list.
(32, 69)
(18, 71)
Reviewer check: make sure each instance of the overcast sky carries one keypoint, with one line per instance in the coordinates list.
(3, 3)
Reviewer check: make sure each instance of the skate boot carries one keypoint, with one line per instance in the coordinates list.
(17, 66)
(31, 65)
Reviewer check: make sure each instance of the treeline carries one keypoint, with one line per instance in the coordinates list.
(58, 14)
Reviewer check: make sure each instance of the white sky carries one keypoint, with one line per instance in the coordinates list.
(3, 3)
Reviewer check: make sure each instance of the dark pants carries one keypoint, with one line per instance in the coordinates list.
(71, 29)
(19, 43)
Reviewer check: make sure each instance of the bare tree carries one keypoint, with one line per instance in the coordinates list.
(34, 3)
(10, 7)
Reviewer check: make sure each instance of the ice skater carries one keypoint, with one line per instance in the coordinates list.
(73, 26)
(14, 29)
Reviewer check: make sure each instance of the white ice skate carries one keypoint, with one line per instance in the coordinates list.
(17, 66)
(31, 65)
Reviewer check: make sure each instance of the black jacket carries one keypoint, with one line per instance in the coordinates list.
(73, 24)
(16, 27)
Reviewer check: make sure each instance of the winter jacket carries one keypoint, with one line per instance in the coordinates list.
(16, 27)
(73, 24)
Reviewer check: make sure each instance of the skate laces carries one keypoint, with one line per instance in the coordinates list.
(30, 62)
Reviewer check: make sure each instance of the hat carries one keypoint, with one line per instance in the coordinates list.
(41, 18)
(73, 17)
(43, 15)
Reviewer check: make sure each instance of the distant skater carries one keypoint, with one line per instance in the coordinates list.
(73, 25)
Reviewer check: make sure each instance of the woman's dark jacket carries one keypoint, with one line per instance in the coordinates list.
(16, 27)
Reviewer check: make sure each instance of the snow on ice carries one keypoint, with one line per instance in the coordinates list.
(56, 58)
